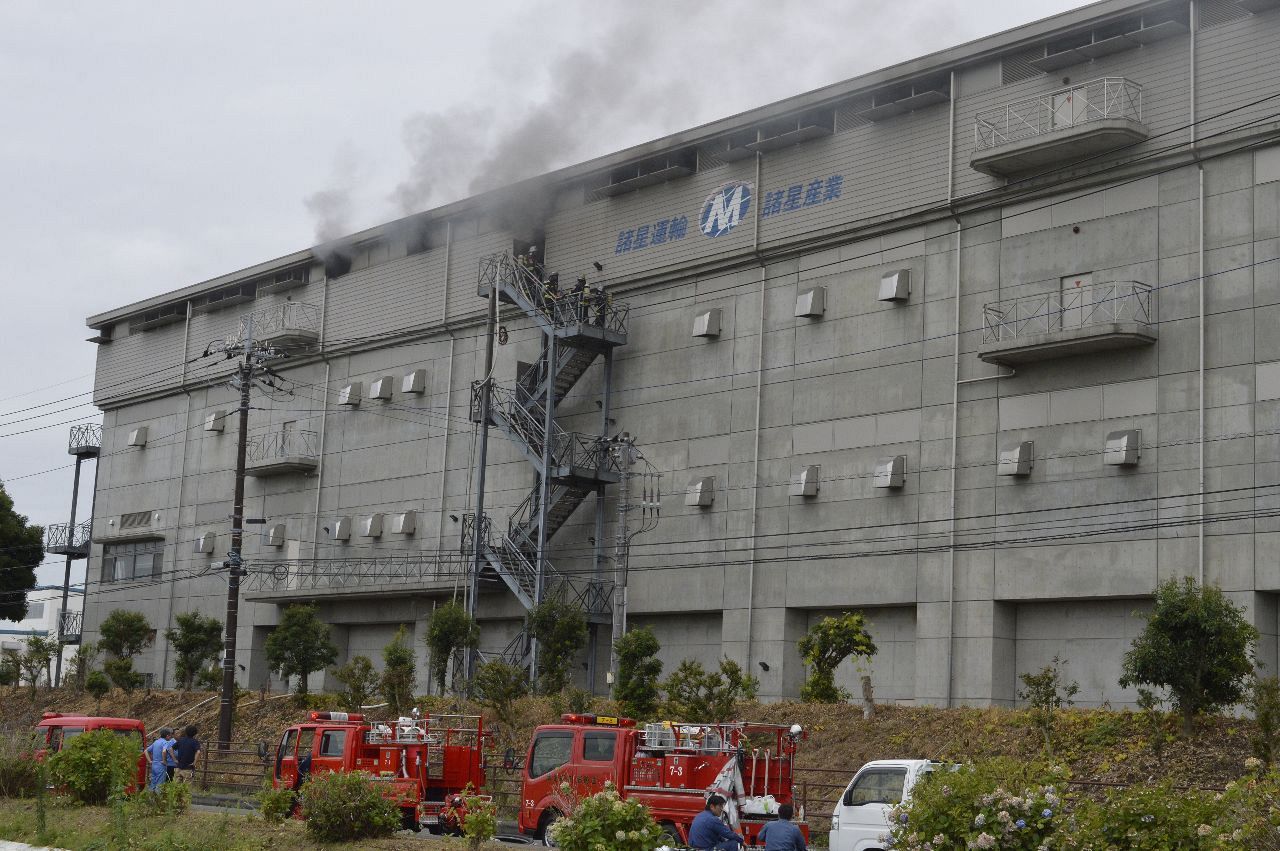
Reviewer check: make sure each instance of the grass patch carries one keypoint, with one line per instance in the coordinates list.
(81, 828)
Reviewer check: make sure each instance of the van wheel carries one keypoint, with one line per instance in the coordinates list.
(551, 817)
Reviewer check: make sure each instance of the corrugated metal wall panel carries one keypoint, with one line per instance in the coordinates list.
(138, 362)
(1236, 65)
(400, 294)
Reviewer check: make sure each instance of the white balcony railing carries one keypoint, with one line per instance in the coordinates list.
(288, 321)
(278, 445)
(1095, 100)
(1070, 310)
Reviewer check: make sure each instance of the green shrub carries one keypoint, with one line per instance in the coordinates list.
(97, 684)
(696, 694)
(93, 766)
(1264, 703)
(497, 686)
(1000, 804)
(828, 643)
(606, 821)
(481, 821)
(19, 772)
(274, 805)
(361, 681)
(122, 674)
(168, 799)
(344, 807)
(1150, 818)
(638, 670)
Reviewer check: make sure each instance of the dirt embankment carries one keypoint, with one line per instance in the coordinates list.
(1099, 746)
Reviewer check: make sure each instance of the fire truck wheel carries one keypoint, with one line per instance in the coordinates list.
(409, 821)
(670, 835)
(548, 819)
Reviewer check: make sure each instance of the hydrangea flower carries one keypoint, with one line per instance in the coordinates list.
(985, 840)
(980, 820)
(1046, 813)
(1019, 824)
(903, 818)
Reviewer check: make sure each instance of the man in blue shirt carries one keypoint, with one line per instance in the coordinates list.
(161, 753)
(709, 833)
(782, 835)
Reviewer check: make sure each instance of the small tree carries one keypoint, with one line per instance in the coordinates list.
(638, 670)
(560, 629)
(124, 634)
(498, 685)
(196, 643)
(451, 630)
(1197, 644)
(36, 659)
(97, 684)
(81, 664)
(1047, 692)
(696, 694)
(10, 670)
(360, 679)
(122, 674)
(828, 643)
(300, 645)
(21, 550)
(1264, 703)
(398, 672)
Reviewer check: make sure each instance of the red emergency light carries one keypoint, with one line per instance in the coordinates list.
(599, 720)
(340, 717)
(51, 715)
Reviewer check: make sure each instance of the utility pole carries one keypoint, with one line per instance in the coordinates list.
(244, 379)
(479, 526)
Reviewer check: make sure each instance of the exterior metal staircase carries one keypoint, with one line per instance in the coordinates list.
(576, 330)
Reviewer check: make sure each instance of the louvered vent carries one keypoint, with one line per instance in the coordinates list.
(1215, 13)
(136, 520)
(1017, 66)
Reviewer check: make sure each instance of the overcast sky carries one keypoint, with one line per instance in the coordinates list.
(148, 146)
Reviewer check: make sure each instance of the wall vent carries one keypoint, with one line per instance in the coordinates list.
(350, 395)
(701, 492)
(380, 388)
(707, 323)
(811, 302)
(138, 437)
(806, 481)
(404, 524)
(274, 536)
(135, 520)
(341, 529)
(414, 382)
(215, 421)
(205, 543)
(371, 526)
(895, 285)
(1123, 448)
(890, 472)
(1017, 460)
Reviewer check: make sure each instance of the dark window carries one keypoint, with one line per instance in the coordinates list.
(878, 786)
(599, 747)
(550, 751)
(125, 562)
(332, 742)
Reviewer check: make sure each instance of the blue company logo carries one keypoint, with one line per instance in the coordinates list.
(724, 208)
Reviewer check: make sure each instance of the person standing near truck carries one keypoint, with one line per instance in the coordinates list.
(782, 835)
(160, 753)
(185, 750)
(709, 832)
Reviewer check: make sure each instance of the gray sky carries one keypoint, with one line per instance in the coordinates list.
(147, 146)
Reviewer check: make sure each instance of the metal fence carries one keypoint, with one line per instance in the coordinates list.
(243, 767)
(1105, 97)
(87, 436)
(1071, 309)
(281, 444)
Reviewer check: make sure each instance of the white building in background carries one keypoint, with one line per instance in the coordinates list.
(43, 603)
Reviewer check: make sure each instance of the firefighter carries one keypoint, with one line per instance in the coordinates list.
(601, 300)
(709, 832)
(579, 297)
(551, 292)
(782, 835)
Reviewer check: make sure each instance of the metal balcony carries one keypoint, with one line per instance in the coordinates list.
(1058, 127)
(289, 325)
(278, 453)
(72, 625)
(1087, 319)
(393, 575)
(61, 539)
(85, 440)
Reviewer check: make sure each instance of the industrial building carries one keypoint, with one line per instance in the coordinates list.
(975, 344)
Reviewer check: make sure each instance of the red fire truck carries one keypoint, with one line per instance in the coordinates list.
(672, 768)
(56, 729)
(425, 762)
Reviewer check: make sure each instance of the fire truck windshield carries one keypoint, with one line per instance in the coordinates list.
(551, 749)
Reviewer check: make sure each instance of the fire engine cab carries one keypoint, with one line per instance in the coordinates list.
(56, 729)
(671, 768)
(426, 762)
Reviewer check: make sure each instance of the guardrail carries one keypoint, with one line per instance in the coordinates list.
(1097, 304)
(281, 444)
(1105, 97)
(319, 574)
(560, 304)
(63, 536)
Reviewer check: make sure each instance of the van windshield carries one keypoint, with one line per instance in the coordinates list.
(877, 786)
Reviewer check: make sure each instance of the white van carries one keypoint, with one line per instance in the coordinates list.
(861, 816)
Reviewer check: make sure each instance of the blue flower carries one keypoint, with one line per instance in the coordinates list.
(1020, 823)
(1047, 814)
(903, 818)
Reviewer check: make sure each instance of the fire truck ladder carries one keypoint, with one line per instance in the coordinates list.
(570, 466)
